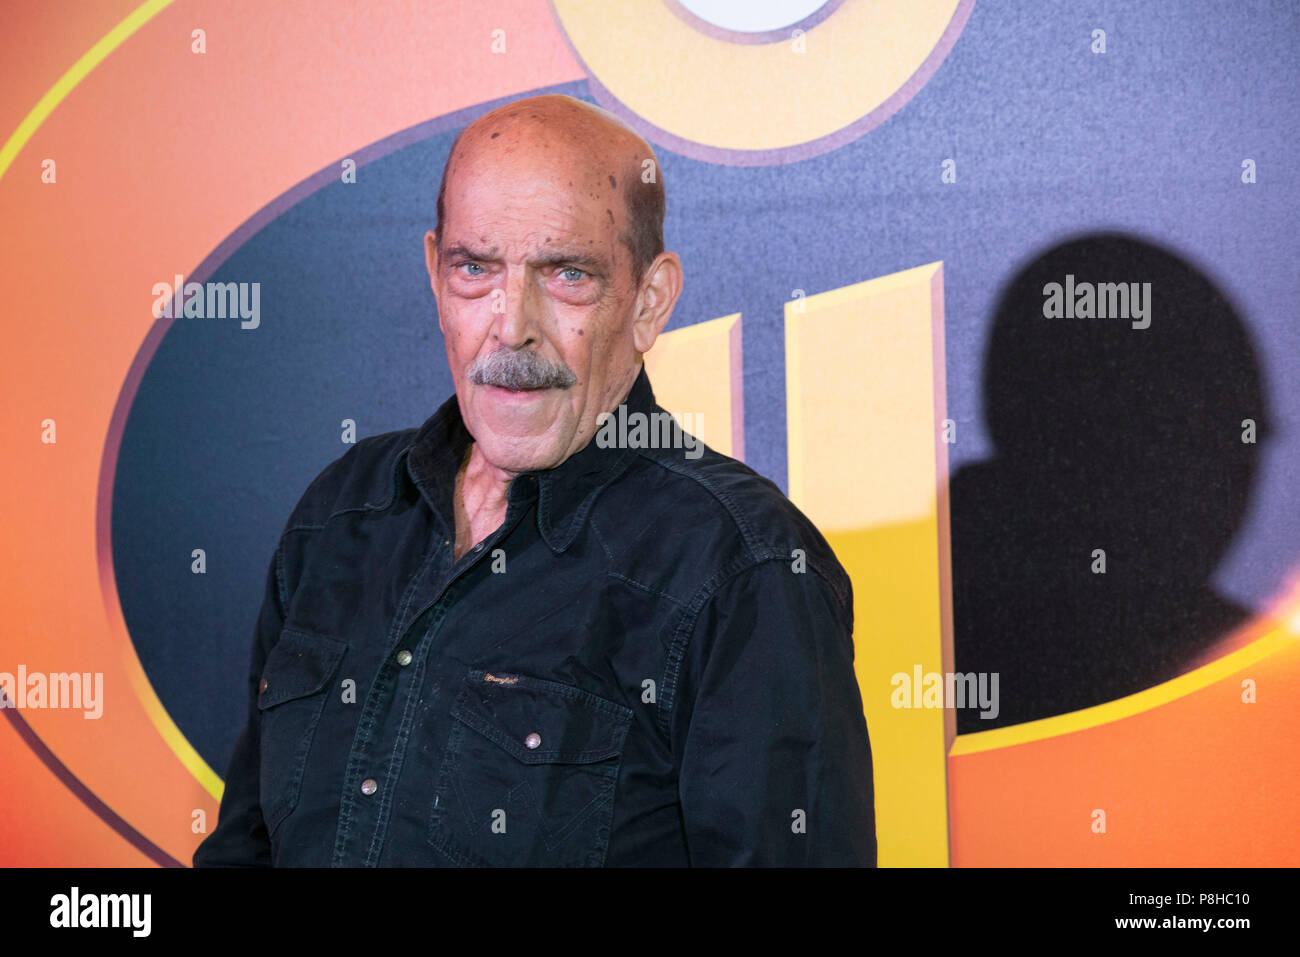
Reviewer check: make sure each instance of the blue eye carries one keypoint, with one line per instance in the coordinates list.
(567, 269)
(472, 266)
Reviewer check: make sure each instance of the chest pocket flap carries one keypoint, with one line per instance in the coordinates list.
(298, 665)
(542, 722)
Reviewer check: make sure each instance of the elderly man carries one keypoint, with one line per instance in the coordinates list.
(495, 641)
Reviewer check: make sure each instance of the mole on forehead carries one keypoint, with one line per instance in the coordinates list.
(574, 153)
(576, 127)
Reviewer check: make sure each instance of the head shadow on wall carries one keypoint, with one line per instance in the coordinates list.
(1082, 551)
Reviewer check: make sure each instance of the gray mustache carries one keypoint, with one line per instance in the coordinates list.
(520, 369)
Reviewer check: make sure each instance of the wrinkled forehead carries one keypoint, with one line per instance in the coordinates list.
(560, 186)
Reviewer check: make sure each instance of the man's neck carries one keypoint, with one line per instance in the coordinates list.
(482, 489)
(480, 500)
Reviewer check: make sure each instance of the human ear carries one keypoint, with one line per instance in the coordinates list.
(660, 289)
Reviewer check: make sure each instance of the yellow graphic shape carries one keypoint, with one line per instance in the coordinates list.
(1200, 771)
(756, 96)
(864, 399)
(75, 74)
(696, 374)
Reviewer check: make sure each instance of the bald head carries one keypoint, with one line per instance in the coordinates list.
(596, 151)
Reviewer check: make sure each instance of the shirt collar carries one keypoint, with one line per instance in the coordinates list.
(565, 493)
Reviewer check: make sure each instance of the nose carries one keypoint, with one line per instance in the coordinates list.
(516, 304)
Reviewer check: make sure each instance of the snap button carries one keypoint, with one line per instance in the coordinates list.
(261, 686)
(403, 657)
(369, 786)
(533, 741)
(478, 547)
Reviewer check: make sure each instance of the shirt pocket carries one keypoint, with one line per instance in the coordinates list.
(291, 696)
(528, 774)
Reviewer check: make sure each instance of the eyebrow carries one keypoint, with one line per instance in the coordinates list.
(559, 257)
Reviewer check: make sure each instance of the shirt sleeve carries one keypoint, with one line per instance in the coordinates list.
(240, 838)
(776, 761)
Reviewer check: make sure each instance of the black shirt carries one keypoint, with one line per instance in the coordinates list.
(650, 663)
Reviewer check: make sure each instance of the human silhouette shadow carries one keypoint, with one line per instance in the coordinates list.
(1111, 443)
